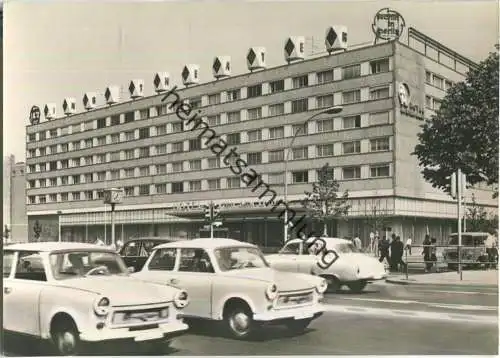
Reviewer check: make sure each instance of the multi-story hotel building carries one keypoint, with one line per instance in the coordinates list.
(168, 173)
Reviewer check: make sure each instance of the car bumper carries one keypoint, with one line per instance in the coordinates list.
(278, 315)
(167, 331)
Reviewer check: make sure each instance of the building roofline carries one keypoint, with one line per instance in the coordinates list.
(179, 89)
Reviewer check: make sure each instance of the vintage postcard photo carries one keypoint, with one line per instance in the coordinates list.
(250, 178)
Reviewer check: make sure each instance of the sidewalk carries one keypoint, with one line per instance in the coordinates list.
(487, 278)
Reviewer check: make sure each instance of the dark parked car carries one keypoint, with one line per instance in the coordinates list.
(473, 251)
(135, 252)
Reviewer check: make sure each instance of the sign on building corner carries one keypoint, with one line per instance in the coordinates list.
(388, 25)
(405, 103)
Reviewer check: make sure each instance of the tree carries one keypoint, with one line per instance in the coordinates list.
(478, 219)
(464, 132)
(376, 218)
(323, 202)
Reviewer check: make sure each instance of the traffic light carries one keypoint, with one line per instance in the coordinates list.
(6, 232)
(208, 212)
(215, 211)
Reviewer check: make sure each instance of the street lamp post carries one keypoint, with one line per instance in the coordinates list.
(331, 110)
(59, 226)
(113, 196)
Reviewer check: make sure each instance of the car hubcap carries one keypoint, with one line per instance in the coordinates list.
(240, 322)
(66, 342)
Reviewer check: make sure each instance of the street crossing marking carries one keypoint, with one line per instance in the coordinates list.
(432, 304)
(384, 312)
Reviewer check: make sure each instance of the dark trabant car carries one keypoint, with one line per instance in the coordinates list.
(135, 252)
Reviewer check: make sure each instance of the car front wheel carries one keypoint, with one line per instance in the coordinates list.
(333, 282)
(239, 323)
(66, 338)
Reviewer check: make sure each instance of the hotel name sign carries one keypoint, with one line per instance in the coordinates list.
(406, 106)
(388, 25)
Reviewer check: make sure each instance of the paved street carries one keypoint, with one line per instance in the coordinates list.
(386, 319)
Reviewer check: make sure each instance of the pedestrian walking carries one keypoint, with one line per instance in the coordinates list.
(99, 242)
(408, 245)
(397, 250)
(377, 244)
(372, 242)
(384, 250)
(491, 250)
(119, 245)
(357, 242)
(434, 253)
(427, 253)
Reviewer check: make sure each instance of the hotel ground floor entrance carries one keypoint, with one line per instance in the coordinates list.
(265, 231)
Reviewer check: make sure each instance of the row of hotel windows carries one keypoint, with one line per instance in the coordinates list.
(349, 72)
(433, 103)
(297, 177)
(275, 156)
(350, 147)
(437, 81)
(297, 106)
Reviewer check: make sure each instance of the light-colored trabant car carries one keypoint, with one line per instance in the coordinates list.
(230, 281)
(69, 293)
(336, 260)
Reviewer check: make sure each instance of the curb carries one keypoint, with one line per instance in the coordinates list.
(415, 283)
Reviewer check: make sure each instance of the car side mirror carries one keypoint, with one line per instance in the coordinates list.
(131, 269)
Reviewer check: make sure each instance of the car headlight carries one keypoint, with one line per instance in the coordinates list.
(323, 285)
(271, 292)
(101, 306)
(181, 299)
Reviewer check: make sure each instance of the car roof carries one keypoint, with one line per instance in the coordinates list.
(205, 243)
(56, 246)
(152, 238)
(328, 240)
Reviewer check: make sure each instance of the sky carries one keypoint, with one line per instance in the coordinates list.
(55, 49)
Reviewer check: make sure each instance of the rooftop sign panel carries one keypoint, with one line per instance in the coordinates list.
(388, 25)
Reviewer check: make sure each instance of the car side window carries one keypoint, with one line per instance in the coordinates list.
(148, 246)
(8, 260)
(131, 249)
(163, 260)
(143, 252)
(195, 260)
(291, 249)
(29, 266)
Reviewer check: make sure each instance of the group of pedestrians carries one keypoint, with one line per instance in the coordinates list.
(392, 251)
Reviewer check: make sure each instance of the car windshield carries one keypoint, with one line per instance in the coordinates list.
(346, 248)
(236, 258)
(80, 263)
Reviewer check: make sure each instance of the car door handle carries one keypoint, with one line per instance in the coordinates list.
(173, 281)
(7, 290)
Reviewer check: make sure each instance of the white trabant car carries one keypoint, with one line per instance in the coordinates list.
(70, 293)
(230, 281)
(336, 260)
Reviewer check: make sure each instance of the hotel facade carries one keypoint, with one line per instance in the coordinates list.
(168, 173)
